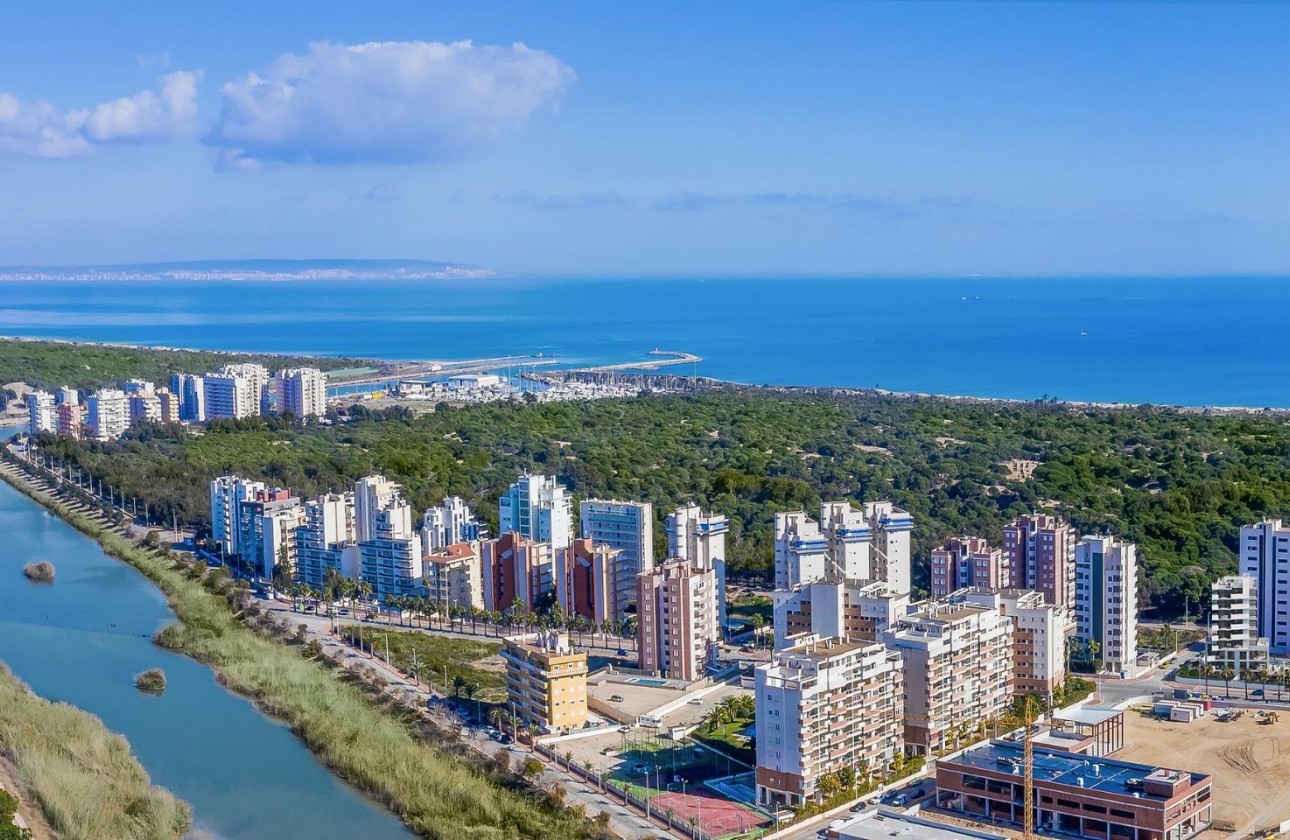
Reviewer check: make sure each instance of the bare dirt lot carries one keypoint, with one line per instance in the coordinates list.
(1250, 763)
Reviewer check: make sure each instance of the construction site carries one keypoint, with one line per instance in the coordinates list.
(1247, 756)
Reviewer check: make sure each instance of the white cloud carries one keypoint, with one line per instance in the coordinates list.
(168, 114)
(37, 128)
(395, 102)
(41, 130)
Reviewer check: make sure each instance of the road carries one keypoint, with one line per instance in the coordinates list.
(916, 790)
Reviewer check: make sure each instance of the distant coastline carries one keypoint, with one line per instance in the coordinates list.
(250, 271)
(715, 383)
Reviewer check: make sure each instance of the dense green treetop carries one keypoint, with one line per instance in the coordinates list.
(1178, 483)
(51, 364)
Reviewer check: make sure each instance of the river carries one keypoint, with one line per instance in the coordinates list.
(82, 641)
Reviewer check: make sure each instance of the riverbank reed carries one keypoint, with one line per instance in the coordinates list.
(81, 775)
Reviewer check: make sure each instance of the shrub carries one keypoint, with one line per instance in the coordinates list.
(42, 572)
(152, 681)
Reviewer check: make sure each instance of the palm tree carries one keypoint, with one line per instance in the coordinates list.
(1227, 677)
(758, 622)
(363, 589)
(458, 683)
(1260, 676)
(471, 688)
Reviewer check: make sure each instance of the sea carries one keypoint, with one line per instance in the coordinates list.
(1196, 341)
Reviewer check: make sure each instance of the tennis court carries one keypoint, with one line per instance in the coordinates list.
(715, 816)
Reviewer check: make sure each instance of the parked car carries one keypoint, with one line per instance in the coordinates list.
(617, 698)
(622, 651)
(698, 701)
(624, 729)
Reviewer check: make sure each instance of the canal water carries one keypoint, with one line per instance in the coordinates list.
(83, 640)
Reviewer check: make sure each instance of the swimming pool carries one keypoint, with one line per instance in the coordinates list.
(650, 681)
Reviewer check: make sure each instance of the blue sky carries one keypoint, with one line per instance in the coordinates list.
(653, 139)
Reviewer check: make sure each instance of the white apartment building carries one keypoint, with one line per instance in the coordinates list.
(257, 375)
(450, 522)
(1106, 599)
(227, 494)
(138, 386)
(957, 661)
(453, 576)
(67, 396)
(190, 390)
(1264, 554)
(677, 633)
(302, 391)
(145, 406)
(1038, 636)
(846, 543)
(538, 508)
(108, 414)
(822, 706)
(228, 396)
(327, 540)
(267, 525)
(851, 610)
(373, 494)
(389, 551)
(801, 551)
(1234, 639)
(628, 529)
(41, 416)
(891, 527)
(700, 538)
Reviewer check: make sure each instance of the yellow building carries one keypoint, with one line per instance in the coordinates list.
(546, 682)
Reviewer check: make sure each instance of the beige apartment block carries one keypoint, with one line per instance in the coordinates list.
(546, 681)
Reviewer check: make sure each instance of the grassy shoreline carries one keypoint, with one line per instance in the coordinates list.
(437, 794)
(82, 776)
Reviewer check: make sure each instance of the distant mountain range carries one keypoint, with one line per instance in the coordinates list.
(253, 270)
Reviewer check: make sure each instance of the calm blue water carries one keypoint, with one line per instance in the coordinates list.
(82, 641)
(1179, 340)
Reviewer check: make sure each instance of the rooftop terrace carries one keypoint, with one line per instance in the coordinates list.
(1119, 778)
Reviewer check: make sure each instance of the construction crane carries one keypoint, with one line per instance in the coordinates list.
(1028, 783)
